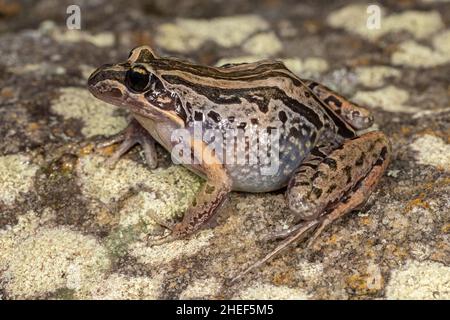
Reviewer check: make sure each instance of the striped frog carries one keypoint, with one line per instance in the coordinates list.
(328, 169)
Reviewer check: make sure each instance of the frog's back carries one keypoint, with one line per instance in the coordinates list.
(244, 92)
(229, 71)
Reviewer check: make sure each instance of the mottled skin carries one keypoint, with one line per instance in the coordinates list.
(328, 169)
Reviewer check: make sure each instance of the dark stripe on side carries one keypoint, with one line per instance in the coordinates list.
(226, 96)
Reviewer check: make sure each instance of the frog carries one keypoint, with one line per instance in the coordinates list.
(328, 160)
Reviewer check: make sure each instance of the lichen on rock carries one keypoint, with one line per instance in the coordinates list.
(98, 117)
(45, 260)
(16, 177)
(420, 280)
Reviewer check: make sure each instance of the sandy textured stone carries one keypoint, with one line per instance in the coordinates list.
(306, 68)
(268, 291)
(376, 76)
(98, 117)
(354, 17)
(201, 288)
(420, 280)
(190, 34)
(412, 54)
(16, 177)
(121, 287)
(266, 44)
(441, 42)
(309, 271)
(389, 98)
(168, 252)
(168, 191)
(50, 259)
(103, 39)
(434, 1)
(433, 151)
(44, 68)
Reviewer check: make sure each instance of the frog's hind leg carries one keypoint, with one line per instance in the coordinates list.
(341, 182)
(357, 116)
(375, 146)
(133, 134)
(329, 184)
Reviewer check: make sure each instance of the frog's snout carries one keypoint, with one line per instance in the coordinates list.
(100, 74)
(107, 83)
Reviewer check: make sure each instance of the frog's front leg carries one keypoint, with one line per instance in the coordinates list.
(133, 134)
(330, 183)
(207, 202)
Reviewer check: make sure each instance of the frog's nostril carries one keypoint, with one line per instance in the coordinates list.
(116, 93)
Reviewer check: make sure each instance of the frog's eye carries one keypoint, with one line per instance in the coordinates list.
(138, 79)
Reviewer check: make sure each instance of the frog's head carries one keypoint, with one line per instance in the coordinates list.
(134, 84)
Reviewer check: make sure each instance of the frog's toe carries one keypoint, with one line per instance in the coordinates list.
(310, 244)
(130, 136)
(283, 234)
(123, 148)
(159, 241)
(148, 146)
(109, 141)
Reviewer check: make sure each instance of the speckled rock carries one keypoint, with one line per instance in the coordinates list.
(73, 228)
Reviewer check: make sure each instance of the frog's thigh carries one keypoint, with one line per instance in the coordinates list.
(340, 181)
(208, 200)
(357, 116)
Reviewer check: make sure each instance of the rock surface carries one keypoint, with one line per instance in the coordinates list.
(72, 228)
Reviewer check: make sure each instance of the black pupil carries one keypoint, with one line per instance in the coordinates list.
(138, 79)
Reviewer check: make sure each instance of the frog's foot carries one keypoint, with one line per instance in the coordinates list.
(165, 238)
(330, 184)
(357, 116)
(161, 240)
(133, 134)
(283, 234)
(296, 233)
